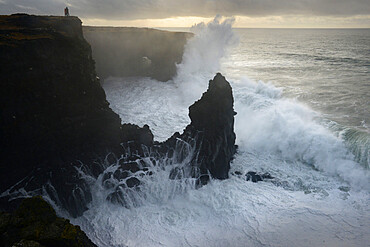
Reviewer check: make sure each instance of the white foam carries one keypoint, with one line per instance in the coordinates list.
(269, 124)
(202, 56)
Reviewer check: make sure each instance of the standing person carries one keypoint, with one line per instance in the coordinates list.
(66, 11)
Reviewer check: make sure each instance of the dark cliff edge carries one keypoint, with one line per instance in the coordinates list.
(131, 51)
(56, 123)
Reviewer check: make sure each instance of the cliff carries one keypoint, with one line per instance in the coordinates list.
(128, 51)
(54, 113)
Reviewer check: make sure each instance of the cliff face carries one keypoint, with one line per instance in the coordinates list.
(53, 109)
(124, 51)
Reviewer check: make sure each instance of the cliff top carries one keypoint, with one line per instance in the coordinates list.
(131, 29)
(24, 27)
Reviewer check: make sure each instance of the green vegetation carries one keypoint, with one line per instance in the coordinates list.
(35, 223)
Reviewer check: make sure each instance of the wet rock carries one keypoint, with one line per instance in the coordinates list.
(121, 174)
(255, 177)
(132, 182)
(211, 132)
(212, 117)
(177, 173)
(344, 188)
(267, 176)
(124, 196)
(136, 136)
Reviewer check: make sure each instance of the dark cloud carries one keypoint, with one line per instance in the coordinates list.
(140, 9)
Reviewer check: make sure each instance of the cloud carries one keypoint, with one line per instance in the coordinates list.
(142, 9)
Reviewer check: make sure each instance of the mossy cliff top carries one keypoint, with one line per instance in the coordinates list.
(35, 223)
(23, 27)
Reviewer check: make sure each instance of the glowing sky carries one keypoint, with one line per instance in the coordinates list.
(184, 13)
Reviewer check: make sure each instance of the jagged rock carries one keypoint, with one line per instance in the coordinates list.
(35, 223)
(132, 182)
(211, 130)
(255, 177)
(212, 118)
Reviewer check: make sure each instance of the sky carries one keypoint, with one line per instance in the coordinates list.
(185, 13)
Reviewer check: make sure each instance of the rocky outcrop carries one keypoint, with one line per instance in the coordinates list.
(130, 51)
(204, 150)
(211, 131)
(35, 223)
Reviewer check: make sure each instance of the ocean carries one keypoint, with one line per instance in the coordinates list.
(302, 98)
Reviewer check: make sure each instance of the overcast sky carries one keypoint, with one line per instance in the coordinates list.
(274, 13)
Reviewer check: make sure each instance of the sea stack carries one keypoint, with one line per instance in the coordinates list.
(211, 132)
(213, 118)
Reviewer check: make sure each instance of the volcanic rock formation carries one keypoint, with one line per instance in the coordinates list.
(212, 131)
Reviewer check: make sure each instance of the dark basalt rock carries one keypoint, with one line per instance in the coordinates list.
(211, 131)
(132, 182)
(212, 118)
(35, 223)
(255, 177)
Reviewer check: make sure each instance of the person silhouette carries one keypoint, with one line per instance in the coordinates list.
(66, 11)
